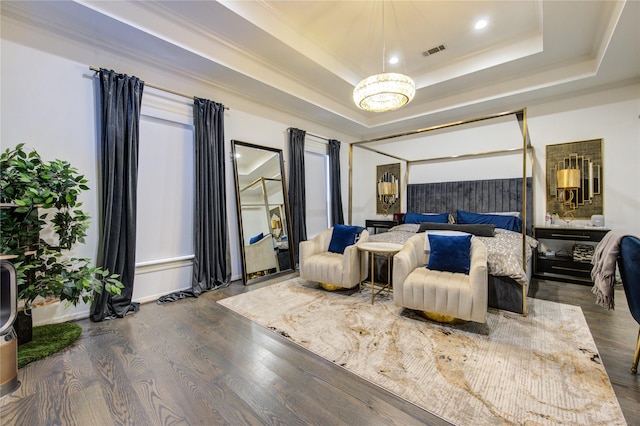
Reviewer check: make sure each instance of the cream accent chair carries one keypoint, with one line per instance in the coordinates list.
(445, 294)
(260, 256)
(318, 264)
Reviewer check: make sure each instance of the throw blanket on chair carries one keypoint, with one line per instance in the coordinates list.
(603, 273)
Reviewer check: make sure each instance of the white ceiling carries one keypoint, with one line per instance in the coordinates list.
(305, 57)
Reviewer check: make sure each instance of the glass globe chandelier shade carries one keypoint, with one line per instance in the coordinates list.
(384, 92)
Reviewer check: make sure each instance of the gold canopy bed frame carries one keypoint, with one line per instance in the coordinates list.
(524, 146)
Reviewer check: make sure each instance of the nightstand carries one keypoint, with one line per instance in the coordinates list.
(380, 224)
(563, 264)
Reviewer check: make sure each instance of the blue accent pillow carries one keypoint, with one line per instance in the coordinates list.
(343, 236)
(421, 217)
(256, 238)
(450, 253)
(510, 223)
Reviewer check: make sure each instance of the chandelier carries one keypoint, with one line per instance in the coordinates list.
(385, 91)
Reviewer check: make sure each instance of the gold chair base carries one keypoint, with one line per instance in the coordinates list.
(330, 287)
(636, 356)
(442, 318)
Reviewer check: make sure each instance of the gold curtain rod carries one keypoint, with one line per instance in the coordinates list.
(173, 92)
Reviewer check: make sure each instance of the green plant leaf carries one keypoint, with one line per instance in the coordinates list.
(56, 186)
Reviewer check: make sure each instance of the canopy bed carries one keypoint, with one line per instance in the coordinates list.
(510, 248)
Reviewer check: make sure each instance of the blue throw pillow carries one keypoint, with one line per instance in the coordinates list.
(256, 238)
(343, 236)
(421, 217)
(510, 223)
(450, 253)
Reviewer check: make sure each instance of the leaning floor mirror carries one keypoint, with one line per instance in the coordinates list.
(263, 211)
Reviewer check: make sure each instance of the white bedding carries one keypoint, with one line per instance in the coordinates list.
(504, 251)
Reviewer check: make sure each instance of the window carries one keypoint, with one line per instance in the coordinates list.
(316, 163)
(165, 183)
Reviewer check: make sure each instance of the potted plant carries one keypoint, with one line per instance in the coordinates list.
(40, 222)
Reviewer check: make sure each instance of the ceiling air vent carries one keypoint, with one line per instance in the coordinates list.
(433, 50)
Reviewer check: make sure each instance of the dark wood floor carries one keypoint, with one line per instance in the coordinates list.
(194, 362)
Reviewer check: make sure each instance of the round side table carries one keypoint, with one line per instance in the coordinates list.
(373, 248)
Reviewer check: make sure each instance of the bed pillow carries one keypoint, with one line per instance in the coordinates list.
(427, 245)
(481, 230)
(450, 253)
(426, 217)
(510, 223)
(256, 238)
(343, 236)
(516, 214)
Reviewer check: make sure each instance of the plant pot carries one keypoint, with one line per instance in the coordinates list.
(24, 327)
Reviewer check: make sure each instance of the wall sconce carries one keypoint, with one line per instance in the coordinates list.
(387, 192)
(567, 184)
(276, 225)
(577, 181)
(575, 178)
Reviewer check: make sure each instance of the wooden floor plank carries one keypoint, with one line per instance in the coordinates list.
(195, 362)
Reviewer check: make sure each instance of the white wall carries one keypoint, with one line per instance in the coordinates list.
(43, 107)
(614, 116)
(364, 171)
(611, 114)
(49, 102)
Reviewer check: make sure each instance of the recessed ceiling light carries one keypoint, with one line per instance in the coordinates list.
(393, 60)
(481, 24)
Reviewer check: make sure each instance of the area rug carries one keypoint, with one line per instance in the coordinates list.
(543, 369)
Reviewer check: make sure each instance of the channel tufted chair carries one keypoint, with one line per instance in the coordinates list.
(260, 256)
(332, 270)
(442, 296)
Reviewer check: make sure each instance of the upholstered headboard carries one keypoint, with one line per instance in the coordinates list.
(481, 196)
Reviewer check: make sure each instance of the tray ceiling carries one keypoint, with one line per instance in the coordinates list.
(305, 57)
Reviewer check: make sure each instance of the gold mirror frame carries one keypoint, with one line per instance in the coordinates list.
(263, 208)
(582, 195)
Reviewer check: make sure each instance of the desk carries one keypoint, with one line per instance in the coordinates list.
(379, 224)
(373, 248)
